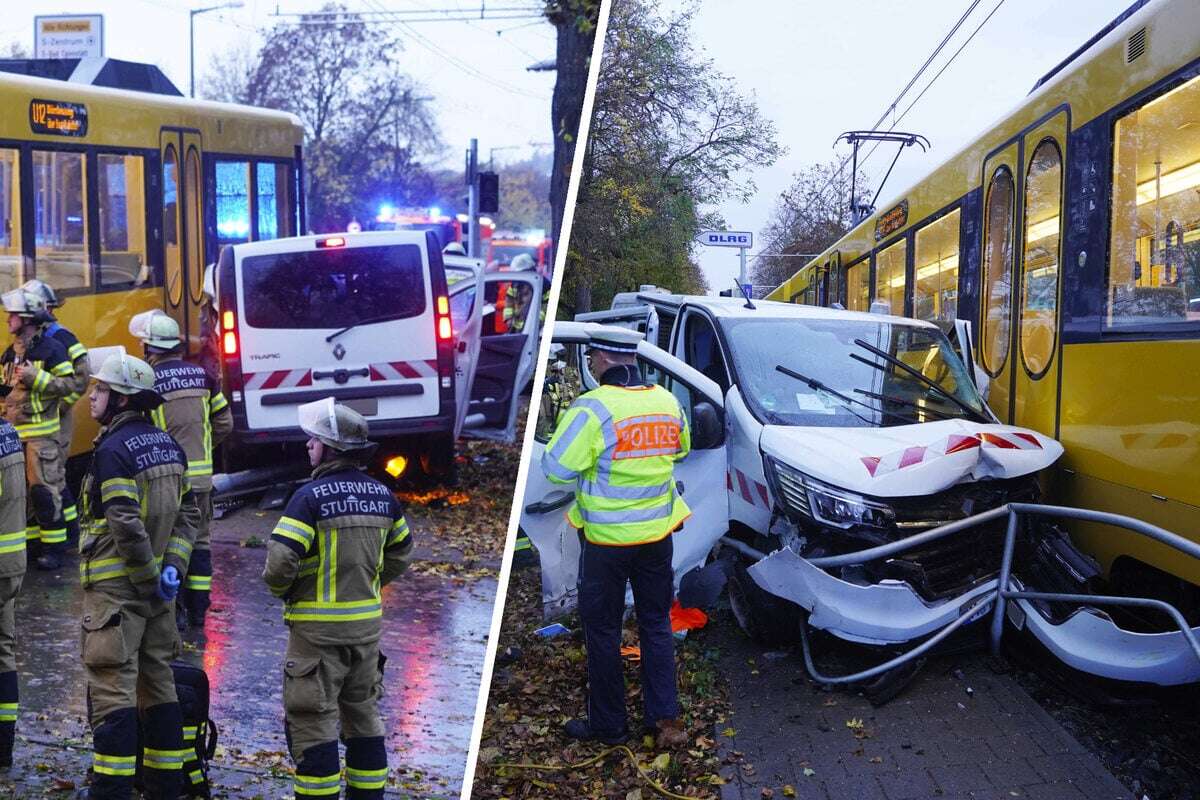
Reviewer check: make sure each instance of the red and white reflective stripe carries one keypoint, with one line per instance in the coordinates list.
(744, 486)
(404, 370)
(279, 379)
(954, 443)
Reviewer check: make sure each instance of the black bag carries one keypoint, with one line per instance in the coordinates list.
(199, 732)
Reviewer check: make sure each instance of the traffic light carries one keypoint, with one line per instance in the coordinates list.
(489, 193)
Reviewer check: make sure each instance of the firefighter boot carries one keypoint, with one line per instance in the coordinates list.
(114, 756)
(195, 595)
(318, 772)
(53, 529)
(366, 768)
(70, 516)
(8, 717)
(163, 754)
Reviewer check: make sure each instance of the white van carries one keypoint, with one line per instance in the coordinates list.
(816, 432)
(365, 318)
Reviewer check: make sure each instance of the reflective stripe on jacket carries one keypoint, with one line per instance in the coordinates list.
(32, 407)
(12, 502)
(77, 355)
(619, 445)
(194, 412)
(341, 538)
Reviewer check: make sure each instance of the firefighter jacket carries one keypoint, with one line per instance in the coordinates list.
(12, 503)
(194, 412)
(138, 511)
(618, 444)
(341, 538)
(32, 404)
(77, 355)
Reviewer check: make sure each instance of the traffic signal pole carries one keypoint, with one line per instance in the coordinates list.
(473, 243)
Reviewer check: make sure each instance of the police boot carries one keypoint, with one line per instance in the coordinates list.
(163, 753)
(366, 768)
(114, 757)
(8, 717)
(318, 772)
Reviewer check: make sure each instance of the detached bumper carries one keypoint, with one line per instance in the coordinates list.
(884, 613)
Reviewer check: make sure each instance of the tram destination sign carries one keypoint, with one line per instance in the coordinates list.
(891, 221)
(58, 118)
(726, 239)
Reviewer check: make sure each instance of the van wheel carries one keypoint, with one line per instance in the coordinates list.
(438, 462)
(769, 620)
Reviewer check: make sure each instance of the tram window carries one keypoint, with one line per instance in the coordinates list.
(890, 276)
(858, 286)
(233, 202)
(1154, 262)
(172, 255)
(10, 220)
(272, 185)
(1039, 287)
(997, 270)
(935, 293)
(60, 219)
(122, 201)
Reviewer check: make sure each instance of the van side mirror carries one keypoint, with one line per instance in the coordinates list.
(706, 426)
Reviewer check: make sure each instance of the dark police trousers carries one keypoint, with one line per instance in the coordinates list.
(603, 571)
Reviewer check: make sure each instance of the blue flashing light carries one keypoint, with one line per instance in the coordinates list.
(386, 211)
(435, 211)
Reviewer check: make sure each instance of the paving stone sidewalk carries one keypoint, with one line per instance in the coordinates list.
(935, 741)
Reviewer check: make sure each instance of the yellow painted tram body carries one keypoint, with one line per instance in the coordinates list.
(118, 199)
(1069, 235)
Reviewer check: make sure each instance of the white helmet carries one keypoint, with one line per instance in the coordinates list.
(522, 262)
(454, 249)
(156, 329)
(44, 289)
(126, 374)
(26, 304)
(338, 426)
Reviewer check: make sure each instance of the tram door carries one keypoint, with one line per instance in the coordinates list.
(183, 231)
(1019, 298)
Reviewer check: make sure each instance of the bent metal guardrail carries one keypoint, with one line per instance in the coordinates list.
(971, 609)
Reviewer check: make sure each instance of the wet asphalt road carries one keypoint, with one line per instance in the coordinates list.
(435, 630)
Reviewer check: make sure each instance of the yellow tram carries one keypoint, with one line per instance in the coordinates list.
(118, 199)
(1068, 234)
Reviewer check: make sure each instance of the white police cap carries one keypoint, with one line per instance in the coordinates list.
(616, 340)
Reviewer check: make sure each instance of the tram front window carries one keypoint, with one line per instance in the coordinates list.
(1154, 271)
(233, 202)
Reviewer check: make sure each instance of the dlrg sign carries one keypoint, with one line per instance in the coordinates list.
(743, 239)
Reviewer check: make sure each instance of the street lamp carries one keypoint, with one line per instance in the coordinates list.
(192, 39)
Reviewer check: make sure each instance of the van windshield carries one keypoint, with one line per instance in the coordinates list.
(333, 288)
(827, 380)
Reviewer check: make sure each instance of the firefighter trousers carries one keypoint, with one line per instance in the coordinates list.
(9, 588)
(46, 477)
(322, 687)
(197, 585)
(128, 643)
(66, 430)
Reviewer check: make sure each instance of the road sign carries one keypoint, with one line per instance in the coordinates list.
(69, 36)
(743, 239)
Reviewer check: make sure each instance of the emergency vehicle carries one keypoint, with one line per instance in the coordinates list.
(821, 432)
(369, 319)
(504, 247)
(447, 228)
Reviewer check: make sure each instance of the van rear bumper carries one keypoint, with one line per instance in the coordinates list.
(379, 429)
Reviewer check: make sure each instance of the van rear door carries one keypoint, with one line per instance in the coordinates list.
(507, 353)
(350, 316)
(465, 282)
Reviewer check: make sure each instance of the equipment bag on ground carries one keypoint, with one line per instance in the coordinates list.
(199, 732)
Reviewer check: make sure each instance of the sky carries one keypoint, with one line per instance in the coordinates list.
(478, 77)
(818, 69)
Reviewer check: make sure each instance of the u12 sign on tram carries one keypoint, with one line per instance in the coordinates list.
(726, 239)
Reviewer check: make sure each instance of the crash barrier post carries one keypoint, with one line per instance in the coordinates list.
(970, 609)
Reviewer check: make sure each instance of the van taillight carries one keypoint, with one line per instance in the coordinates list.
(230, 344)
(227, 321)
(445, 330)
(332, 241)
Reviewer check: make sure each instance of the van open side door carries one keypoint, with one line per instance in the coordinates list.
(464, 279)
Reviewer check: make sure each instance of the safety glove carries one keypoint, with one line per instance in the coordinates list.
(168, 583)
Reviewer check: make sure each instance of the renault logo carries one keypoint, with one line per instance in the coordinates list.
(339, 352)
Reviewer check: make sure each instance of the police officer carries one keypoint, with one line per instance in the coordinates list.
(12, 572)
(77, 355)
(197, 416)
(324, 560)
(618, 444)
(37, 373)
(137, 512)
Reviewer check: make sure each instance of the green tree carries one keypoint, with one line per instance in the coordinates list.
(669, 137)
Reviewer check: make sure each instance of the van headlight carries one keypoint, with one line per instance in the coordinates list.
(824, 503)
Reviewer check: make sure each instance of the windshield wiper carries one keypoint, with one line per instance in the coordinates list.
(817, 386)
(978, 416)
(371, 321)
(887, 398)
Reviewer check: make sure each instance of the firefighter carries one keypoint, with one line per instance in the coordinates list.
(197, 416)
(516, 301)
(77, 355)
(37, 375)
(12, 571)
(618, 444)
(138, 512)
(341, 538)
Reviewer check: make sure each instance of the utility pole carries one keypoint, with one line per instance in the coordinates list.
(192, 39)
(473, 244)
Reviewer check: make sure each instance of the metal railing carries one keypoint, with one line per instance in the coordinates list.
(971, 608)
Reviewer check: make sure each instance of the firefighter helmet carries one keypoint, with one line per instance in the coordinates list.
(26, 304)
(126, 374)
(156, 329)
(336, 425)
(45, 290)
(522, 263)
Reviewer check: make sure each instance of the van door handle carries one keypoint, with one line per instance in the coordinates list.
(341, 375)
(550, 502)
